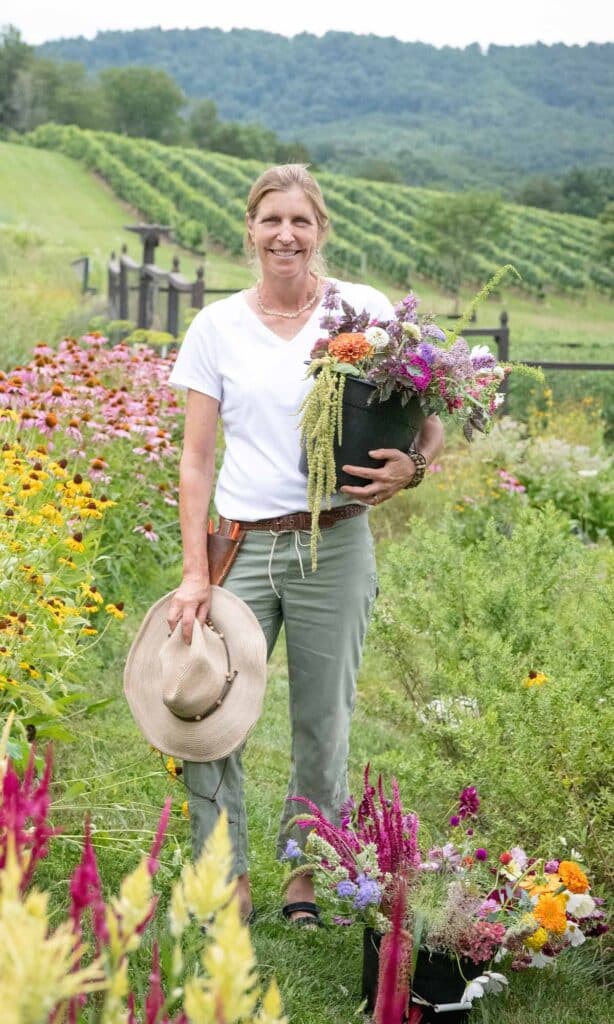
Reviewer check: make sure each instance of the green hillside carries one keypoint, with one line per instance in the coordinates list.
(443, 117)
(377, 227)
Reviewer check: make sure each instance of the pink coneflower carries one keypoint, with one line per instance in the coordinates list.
(148, 531)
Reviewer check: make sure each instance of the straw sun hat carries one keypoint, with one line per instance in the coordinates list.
(197, 702)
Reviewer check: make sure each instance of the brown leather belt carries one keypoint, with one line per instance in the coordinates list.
(298, 520)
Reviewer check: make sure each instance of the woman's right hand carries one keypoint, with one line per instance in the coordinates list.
(191, 601)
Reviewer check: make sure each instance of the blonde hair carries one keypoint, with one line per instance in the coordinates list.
(282, 178)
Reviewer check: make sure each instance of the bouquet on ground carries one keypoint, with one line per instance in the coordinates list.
(408, 358)
(477, 907)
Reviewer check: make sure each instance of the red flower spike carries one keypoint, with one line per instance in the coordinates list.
(394, 965)
(153, 863)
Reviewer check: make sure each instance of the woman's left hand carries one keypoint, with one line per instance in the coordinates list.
(384, 482)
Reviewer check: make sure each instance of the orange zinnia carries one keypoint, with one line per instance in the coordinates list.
(573, 877)
(550, 912)
(349, 348)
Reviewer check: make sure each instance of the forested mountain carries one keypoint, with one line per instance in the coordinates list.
(438, 116)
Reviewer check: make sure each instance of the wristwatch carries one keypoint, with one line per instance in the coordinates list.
(419, 462)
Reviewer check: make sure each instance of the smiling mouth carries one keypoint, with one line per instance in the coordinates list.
(285, 253)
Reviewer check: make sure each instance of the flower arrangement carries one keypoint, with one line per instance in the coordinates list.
(475, 906)
(408, 355)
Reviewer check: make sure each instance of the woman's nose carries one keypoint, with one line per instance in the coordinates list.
(285, 234)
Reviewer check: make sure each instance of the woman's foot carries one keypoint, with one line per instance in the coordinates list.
(301, 890)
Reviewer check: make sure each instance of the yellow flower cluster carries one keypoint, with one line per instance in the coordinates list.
(534, 679)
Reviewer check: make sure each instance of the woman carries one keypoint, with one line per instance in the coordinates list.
(243, 358)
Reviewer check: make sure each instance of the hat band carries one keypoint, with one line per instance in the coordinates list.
(230, 678)
(231, 675)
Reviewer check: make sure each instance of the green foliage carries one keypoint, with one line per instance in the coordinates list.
(393, 230)
(14, 56)
(458, 621)
(448, 118)
(455, 226)
(142, 101)
(582, 190)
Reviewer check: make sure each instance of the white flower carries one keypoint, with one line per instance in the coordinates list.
(412, 331)
(539, 960)
(580, 905)
(377, 337)
(575, 854)
(490, 981)
(479, 351)
(499, 400)
(498, 371)
(574, 935)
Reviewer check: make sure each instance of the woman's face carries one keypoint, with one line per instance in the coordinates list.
(284, 232)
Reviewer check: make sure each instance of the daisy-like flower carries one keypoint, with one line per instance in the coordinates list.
(377, 337)
(116, 610)
(349, 348)
(75, 542)
(549, 911)
(535, 679)
(148, 531)
(573, 877)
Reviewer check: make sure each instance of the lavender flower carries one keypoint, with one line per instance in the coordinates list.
(292, 851)
(346, 889)
(331, 297)
(369, 893)
(551, 867)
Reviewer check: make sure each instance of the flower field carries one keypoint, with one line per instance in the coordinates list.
(479, 671)
(199, 192)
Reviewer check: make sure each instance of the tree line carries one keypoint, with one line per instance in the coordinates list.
(137, 101)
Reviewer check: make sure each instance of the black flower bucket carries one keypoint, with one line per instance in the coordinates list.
(438, 980)
(368, 424)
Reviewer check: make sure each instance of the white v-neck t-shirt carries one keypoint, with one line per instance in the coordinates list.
(259, 381)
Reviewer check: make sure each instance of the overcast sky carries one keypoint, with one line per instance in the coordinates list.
(440, 22)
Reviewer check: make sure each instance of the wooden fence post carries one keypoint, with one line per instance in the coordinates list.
(123, 285)
(198, 289)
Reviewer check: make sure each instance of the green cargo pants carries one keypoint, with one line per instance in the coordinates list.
(325, 616)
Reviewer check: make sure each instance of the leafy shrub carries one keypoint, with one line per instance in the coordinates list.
(460, 628)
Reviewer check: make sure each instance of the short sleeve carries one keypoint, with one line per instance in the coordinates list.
(196, 363)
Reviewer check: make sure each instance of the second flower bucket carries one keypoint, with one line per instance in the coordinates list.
(369, 424)
(439, 980)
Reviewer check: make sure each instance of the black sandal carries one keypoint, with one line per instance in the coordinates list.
(312, 909)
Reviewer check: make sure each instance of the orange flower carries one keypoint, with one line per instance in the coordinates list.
(550, 912)
(349, 348)
(573, 877)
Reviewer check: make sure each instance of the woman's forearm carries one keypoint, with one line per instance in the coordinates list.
(195, 486)
(430, 439)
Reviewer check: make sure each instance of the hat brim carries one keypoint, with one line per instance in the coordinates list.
(224, 730)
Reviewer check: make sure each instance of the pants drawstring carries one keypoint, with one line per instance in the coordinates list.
(298, 544)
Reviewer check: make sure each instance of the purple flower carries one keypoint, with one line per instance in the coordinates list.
(331, 297)
(433, 331)
(468, 802)
(292, 850)
(345, 922)
(454, 820)
(369, 893)
(481, 853)
(346, 889)
(420, 380)
(426, 352)
(551, 867)
(469, 832)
